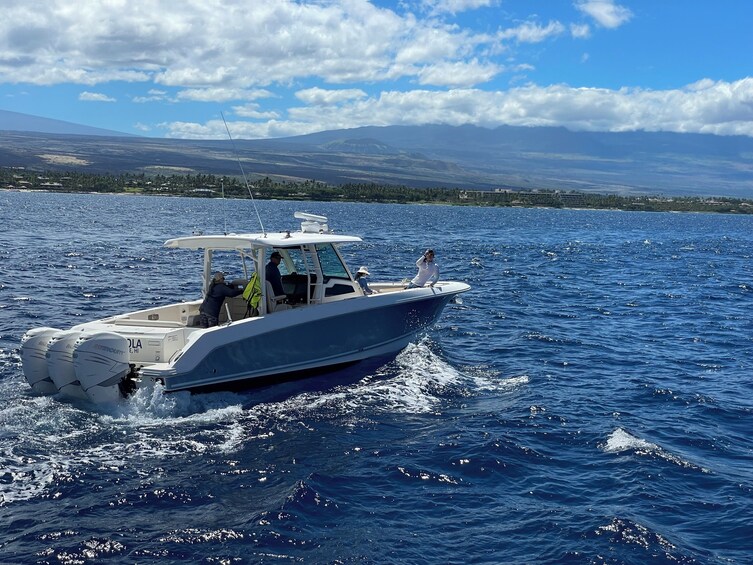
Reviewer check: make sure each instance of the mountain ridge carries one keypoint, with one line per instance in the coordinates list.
(16, 121)
(435, 155)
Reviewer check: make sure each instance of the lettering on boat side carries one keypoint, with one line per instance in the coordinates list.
(134, 345)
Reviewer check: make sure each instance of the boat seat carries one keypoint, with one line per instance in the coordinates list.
(296, 287)
(237, 306)
(274, 303)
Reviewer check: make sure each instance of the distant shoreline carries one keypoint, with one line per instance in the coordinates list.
(210, 186)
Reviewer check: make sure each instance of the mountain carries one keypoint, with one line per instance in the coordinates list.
(15, 121)
(469, 157)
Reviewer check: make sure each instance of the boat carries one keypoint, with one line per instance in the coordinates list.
(323, 320)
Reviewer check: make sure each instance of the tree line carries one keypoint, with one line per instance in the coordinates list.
(213, 186)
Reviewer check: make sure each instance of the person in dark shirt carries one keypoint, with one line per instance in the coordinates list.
(272, 272)
(218, 291)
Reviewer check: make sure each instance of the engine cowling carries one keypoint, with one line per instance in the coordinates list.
(34, 359)
(60, 363)
(101, 362)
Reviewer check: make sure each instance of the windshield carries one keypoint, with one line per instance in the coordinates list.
(295, 255)
(331, 264)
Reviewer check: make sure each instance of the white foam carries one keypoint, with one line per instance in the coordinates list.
(151, 406)
(620, 441)
(28, 477)
(234, 437)
(412, 383)
(490, 381)
(155, 426)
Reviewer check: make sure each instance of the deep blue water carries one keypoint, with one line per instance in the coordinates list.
(590, 401)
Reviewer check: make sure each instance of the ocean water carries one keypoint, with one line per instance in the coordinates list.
(589, 401)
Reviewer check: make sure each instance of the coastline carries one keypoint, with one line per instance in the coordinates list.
(210, 186)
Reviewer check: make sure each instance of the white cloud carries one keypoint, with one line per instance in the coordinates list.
(531, 32)
(153, 95)
(455, 6)
(605, 12)
(705, 107)
(95, 97)
(252, 111)
(580, 31)
(322, 97)
(215, 129)
(212, 44)
(220, 94)
(458, 74)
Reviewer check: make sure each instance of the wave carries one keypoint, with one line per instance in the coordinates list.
(621, 441)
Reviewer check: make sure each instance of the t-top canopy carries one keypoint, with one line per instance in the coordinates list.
(255, 241)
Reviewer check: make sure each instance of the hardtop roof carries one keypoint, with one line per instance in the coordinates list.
(235, 241)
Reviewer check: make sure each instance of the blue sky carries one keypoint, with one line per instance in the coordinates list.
(274, 68)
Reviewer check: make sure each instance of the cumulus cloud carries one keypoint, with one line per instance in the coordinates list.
(253, 112)
(580, 31)
(531, 32)
(322, 97)
(199, 45)
(95, 97)
(605, 12)
(706, 106)
(153, 95)
(220, 94)
(455, 74)
(455, 6)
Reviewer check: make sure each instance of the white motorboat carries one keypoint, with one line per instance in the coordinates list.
(323, 320)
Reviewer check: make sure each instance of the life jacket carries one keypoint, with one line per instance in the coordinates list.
(252, 294)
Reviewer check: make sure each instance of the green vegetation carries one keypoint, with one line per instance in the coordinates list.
(211, 186)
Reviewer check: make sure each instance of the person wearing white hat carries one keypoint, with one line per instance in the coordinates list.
(361, 279)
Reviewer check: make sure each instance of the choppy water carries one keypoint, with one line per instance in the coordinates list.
(589, 402)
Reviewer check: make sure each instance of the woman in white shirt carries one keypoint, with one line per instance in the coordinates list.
(428, 270)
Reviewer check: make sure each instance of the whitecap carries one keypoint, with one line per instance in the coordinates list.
(621, 441)
(490, 381)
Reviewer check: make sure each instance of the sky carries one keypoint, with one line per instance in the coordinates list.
(278, 68)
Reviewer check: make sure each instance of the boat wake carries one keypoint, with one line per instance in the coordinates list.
(72, 437)
(415, 382)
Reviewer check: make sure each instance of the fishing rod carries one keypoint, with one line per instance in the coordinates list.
(224, 216)
(245, 180)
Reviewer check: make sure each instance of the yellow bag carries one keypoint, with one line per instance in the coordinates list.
(252, 294)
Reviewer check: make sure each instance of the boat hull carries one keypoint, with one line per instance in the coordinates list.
(303, 340)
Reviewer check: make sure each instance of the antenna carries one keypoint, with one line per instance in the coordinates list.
(245, 180)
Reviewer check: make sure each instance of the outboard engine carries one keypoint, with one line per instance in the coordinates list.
(60, 364)
(100, 361)
(34, 359)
